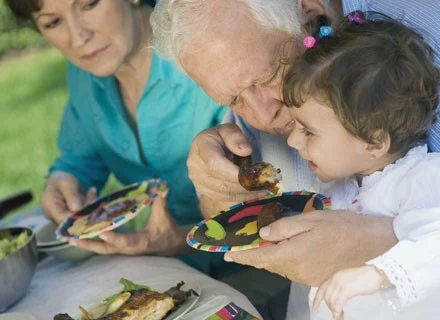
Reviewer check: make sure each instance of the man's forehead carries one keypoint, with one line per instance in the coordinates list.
(223, 74)
(231, 53)
(219, 52)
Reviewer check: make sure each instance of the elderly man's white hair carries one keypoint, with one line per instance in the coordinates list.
(175, 22)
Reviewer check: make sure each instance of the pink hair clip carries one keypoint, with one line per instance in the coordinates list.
(309, 42)
(355, 17)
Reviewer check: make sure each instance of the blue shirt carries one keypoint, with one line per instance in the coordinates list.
(423, 17)
(97, 137)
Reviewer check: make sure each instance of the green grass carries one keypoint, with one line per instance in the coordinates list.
(32, 99)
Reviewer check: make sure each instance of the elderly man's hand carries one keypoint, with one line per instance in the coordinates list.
(161, 236)
(214, 175)
(64, 195)
(310, 247)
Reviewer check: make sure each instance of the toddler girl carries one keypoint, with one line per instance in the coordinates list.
(363, 97)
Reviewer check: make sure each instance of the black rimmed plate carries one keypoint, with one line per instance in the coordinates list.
(235, 229)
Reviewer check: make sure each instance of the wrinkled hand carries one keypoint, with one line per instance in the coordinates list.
(310, 247)
(346, 284)
(213, 174)
(161, 236)
(63, 195)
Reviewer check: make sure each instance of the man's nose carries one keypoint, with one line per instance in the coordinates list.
(264, 103)
(295, 139)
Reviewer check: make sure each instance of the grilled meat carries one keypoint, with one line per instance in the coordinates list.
(63, 316)
(270, 213)
(180, 296)
(143, 304)
(258, 176)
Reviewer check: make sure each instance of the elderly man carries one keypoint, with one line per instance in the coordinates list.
(235, 51)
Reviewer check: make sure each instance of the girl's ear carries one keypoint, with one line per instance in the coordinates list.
(311, 8)
(380, 146)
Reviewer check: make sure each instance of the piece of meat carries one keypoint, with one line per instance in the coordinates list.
(258, 176)
(270, 213)
(146, 304)
(180, 296)
(109, 212)
(63, 316)
(102, 216)
(143, 304)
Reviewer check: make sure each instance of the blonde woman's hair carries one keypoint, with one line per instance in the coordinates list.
(175, 22)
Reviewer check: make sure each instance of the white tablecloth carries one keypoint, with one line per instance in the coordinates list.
(59, 286)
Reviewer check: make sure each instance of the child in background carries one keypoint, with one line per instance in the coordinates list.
(363, 97)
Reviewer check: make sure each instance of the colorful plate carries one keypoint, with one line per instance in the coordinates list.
(149, 187)
(235, 229)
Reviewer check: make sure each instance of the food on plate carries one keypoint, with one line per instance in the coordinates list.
(63, 316)
(271, 212)
(258, 176)
(215, 230)
(10, 243)
(105, 214)
(135, 302)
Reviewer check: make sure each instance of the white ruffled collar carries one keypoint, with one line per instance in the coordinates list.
(370, 180)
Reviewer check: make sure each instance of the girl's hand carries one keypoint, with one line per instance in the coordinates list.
(346, 284)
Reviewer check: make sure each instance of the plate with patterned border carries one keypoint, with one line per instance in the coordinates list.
(235, 228)
(142, 193)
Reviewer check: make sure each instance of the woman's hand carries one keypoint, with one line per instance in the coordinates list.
(213, 174)
(310, 247)
(346, 284)
(161, 236)
(63, 195)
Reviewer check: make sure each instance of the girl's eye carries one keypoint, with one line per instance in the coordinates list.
(90, 4)
(52, 24)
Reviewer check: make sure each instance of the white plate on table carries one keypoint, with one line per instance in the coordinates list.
(17, 316)
(160, 285)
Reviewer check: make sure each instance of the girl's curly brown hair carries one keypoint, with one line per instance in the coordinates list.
(378, 77)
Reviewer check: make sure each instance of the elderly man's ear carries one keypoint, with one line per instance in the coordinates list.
(313, 8)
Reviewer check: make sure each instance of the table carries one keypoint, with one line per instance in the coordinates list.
(60, 286)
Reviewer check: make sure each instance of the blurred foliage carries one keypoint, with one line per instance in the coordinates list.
(15, 35)
(32, 98)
